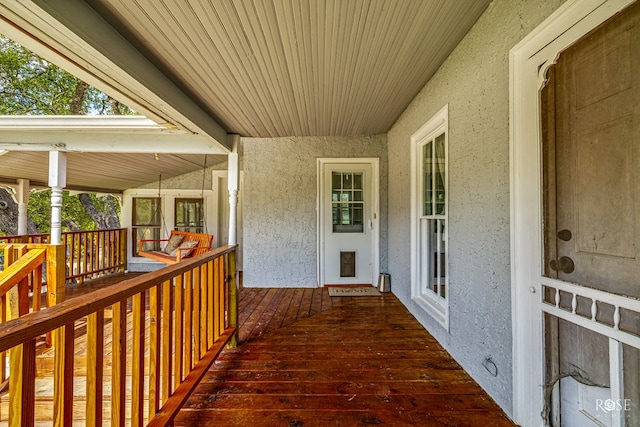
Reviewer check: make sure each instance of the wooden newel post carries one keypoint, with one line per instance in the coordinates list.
(123, 249)
(233, 297)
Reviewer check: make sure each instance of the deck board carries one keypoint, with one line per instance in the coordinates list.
(308, 359)
(336, 361)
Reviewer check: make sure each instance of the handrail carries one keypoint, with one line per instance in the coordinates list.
(192, 313)
(20, 269)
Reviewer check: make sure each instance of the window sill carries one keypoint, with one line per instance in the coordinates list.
(435, 307)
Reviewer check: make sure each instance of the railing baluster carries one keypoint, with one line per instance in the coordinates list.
(210, 302)
(203, 333)
(95, 367)
(28, 384)
(137, 380)
(188, 320)
(220, 297)
(197, 351)
(118, 363)
(178, 330)
(232, 304)
(154, 350)
(63, 376)
(167, 340)
(3, 355)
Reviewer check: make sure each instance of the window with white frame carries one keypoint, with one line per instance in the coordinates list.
(146, 222)
(429, 224)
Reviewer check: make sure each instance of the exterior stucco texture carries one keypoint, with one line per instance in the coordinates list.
(474, 82)
(280, 192)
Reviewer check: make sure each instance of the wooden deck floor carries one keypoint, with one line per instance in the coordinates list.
(307, 359)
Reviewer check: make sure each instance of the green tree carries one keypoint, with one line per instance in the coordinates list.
(30, 85)
(75, 213)
(33, 86)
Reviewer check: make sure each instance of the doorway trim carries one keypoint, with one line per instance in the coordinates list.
(528, 62)
(375, 210)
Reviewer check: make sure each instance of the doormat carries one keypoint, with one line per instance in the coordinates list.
(368, 291)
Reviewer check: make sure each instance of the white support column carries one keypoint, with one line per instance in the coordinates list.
(233, 190)
(23, 201)
(57, 181)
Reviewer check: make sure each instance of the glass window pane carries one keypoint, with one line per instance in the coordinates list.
(357, 181)
(189, 215)
(427, 179)
(336, 180)
(146, 211)
(439, 175)
(347, 181)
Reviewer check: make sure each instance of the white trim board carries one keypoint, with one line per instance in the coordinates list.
(529, 60)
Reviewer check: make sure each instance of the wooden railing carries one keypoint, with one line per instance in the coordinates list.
(21, 292)
(180, 319)
(89, 254)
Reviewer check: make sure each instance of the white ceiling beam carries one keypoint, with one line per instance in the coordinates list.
(75, 37)
(99, 134)
(104, 142)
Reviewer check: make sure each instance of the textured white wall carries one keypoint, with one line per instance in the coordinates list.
(280, 238)
(474, 81)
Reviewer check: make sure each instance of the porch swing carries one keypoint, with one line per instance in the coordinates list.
(180, 244)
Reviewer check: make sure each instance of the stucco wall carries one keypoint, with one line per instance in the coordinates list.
(474, 81)
(280, 222)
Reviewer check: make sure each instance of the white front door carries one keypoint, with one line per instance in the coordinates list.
(347, 222)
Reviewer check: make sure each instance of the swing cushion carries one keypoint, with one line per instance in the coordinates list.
(191, 244)
(172, 244)
(187, 247)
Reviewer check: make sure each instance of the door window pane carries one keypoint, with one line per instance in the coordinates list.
(347, 204)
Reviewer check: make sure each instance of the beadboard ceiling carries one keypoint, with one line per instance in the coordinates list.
(257, 68)
(270, 68)
(102, 172)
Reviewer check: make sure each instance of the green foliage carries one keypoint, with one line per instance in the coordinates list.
(29, 85)
(39, 210)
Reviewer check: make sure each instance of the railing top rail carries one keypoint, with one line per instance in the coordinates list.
(17, 236)
(26, 245)
(32, 325)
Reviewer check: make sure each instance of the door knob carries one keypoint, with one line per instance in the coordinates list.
(564, 264)
(564, 235)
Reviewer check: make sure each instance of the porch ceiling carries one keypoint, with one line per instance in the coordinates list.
(101, 172)
(256, 68)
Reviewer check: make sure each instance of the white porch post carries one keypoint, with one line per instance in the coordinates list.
(23, 200)
(57, 181)
(233, 190)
